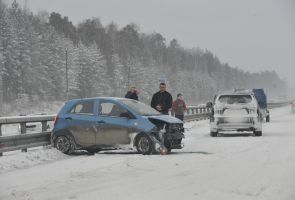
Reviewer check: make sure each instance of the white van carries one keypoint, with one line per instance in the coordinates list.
(235, 111)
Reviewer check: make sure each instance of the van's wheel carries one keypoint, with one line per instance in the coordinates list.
(144, 145)
(258, 133)
(64, 144)
(213, 133)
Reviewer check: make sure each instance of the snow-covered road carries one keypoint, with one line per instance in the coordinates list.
(230, 167)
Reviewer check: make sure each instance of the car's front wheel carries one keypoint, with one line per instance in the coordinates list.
(144, 145)
(64, 144)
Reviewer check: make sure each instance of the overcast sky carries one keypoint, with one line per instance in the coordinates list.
(253, 35)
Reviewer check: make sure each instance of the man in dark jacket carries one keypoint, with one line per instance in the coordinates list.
(162, 100)
(132, 94)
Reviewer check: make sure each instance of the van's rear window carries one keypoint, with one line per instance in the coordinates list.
(235, 99)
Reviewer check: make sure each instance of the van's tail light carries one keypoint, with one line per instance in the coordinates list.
(55, 120)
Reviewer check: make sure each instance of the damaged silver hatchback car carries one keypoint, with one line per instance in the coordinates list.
(107, 123)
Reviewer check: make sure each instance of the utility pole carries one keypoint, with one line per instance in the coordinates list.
(128, 78)
(67, 80)
(129, 63)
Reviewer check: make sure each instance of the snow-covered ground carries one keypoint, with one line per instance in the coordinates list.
(237, 167)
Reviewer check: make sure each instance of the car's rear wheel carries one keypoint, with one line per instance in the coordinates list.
(64, 144)
(213, 133)
(144, 145)
(258, 133)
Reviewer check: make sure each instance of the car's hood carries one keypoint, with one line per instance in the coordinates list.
(166, 118)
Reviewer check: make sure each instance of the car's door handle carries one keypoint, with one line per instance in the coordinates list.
(68, 118)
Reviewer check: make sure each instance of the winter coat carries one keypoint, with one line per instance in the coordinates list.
(163, 99)
(178, 107)
(131, 95)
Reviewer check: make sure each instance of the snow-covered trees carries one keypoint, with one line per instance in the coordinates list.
(106, 60)
(91, 75)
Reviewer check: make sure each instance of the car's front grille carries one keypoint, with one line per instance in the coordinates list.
(175, 128)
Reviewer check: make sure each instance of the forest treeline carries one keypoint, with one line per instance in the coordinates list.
(104, 60)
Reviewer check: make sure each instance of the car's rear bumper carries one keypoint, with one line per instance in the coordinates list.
(235, 124)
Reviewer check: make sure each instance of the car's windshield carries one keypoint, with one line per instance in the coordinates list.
(235, 99)
(139, 107)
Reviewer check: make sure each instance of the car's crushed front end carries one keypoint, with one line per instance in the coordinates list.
(169, 131)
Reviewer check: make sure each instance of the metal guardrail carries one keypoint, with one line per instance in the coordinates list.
(197, 113)
(280, 104)
(17, 142)
(24, 141)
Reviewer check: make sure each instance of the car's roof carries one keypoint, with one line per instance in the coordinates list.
(99, 98)
(235, 93)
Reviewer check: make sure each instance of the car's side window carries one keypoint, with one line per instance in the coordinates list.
(85, 107)
(111, 109)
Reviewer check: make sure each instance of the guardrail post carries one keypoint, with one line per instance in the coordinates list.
(203, 112)
(198, 112)
(202, 109)
(23, 130)
(1, 154)
(44, 126)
